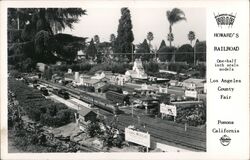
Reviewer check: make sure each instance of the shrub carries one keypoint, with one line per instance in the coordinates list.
(151, 67)
(166, 53)
(38, 108)
(93, 129)
(14, 73)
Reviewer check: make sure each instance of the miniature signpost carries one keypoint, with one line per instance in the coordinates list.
(168, 110)
(137, 137)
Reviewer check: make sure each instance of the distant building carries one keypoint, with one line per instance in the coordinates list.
(102, 74)
(138, 71)
(119, 79)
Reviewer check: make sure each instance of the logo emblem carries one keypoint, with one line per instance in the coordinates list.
(225, 140)
(225, 19)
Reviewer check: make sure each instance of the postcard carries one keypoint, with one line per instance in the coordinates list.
(124, 79)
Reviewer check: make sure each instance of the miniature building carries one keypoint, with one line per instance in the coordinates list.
(98, 75)
(80, 55)
(56, 79)
(85, 116)
(173, 82)
(147, 89)
(163, 89)
(98, 84)
(193, 83)
(102, 74)
(69, 71)
(90, 82)
(77, 76)
(119, 79)
(138, 71)
(69, 77)
(41, 67)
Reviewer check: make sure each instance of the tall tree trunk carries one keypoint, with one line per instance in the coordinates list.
(170, 32)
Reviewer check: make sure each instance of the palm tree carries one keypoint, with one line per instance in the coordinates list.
(191, 36)
(150, 37)
(174, 16)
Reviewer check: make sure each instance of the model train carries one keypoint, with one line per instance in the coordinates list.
(61, 93)
(99, 102)
(117, 97)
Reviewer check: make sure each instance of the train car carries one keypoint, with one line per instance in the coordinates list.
(61, 93)
(44, 91)
(117, 97)
(100, 103)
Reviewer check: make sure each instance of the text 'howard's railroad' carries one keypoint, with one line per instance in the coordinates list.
(226, 35)
(226, 48)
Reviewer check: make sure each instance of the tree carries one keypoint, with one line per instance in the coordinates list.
(145, 50)
(191, 36)
(162, 45)
(112, 40)
(91, 50)
(66, 46)
(174, 16)
(60, 18)
(185, 53)
(150, 37)
(32, 30)
(151, 67)
(200, 50)
(125, 37)
(96, 39)
(105, 49)
(166, 53)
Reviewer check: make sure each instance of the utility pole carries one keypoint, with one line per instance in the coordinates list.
(195, 53)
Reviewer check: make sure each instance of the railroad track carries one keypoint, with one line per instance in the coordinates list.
(171, 136)
(193, 138)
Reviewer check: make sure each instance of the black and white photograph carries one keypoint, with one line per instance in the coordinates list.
(121, 79)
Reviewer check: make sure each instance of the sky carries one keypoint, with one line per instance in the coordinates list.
(104, 21)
